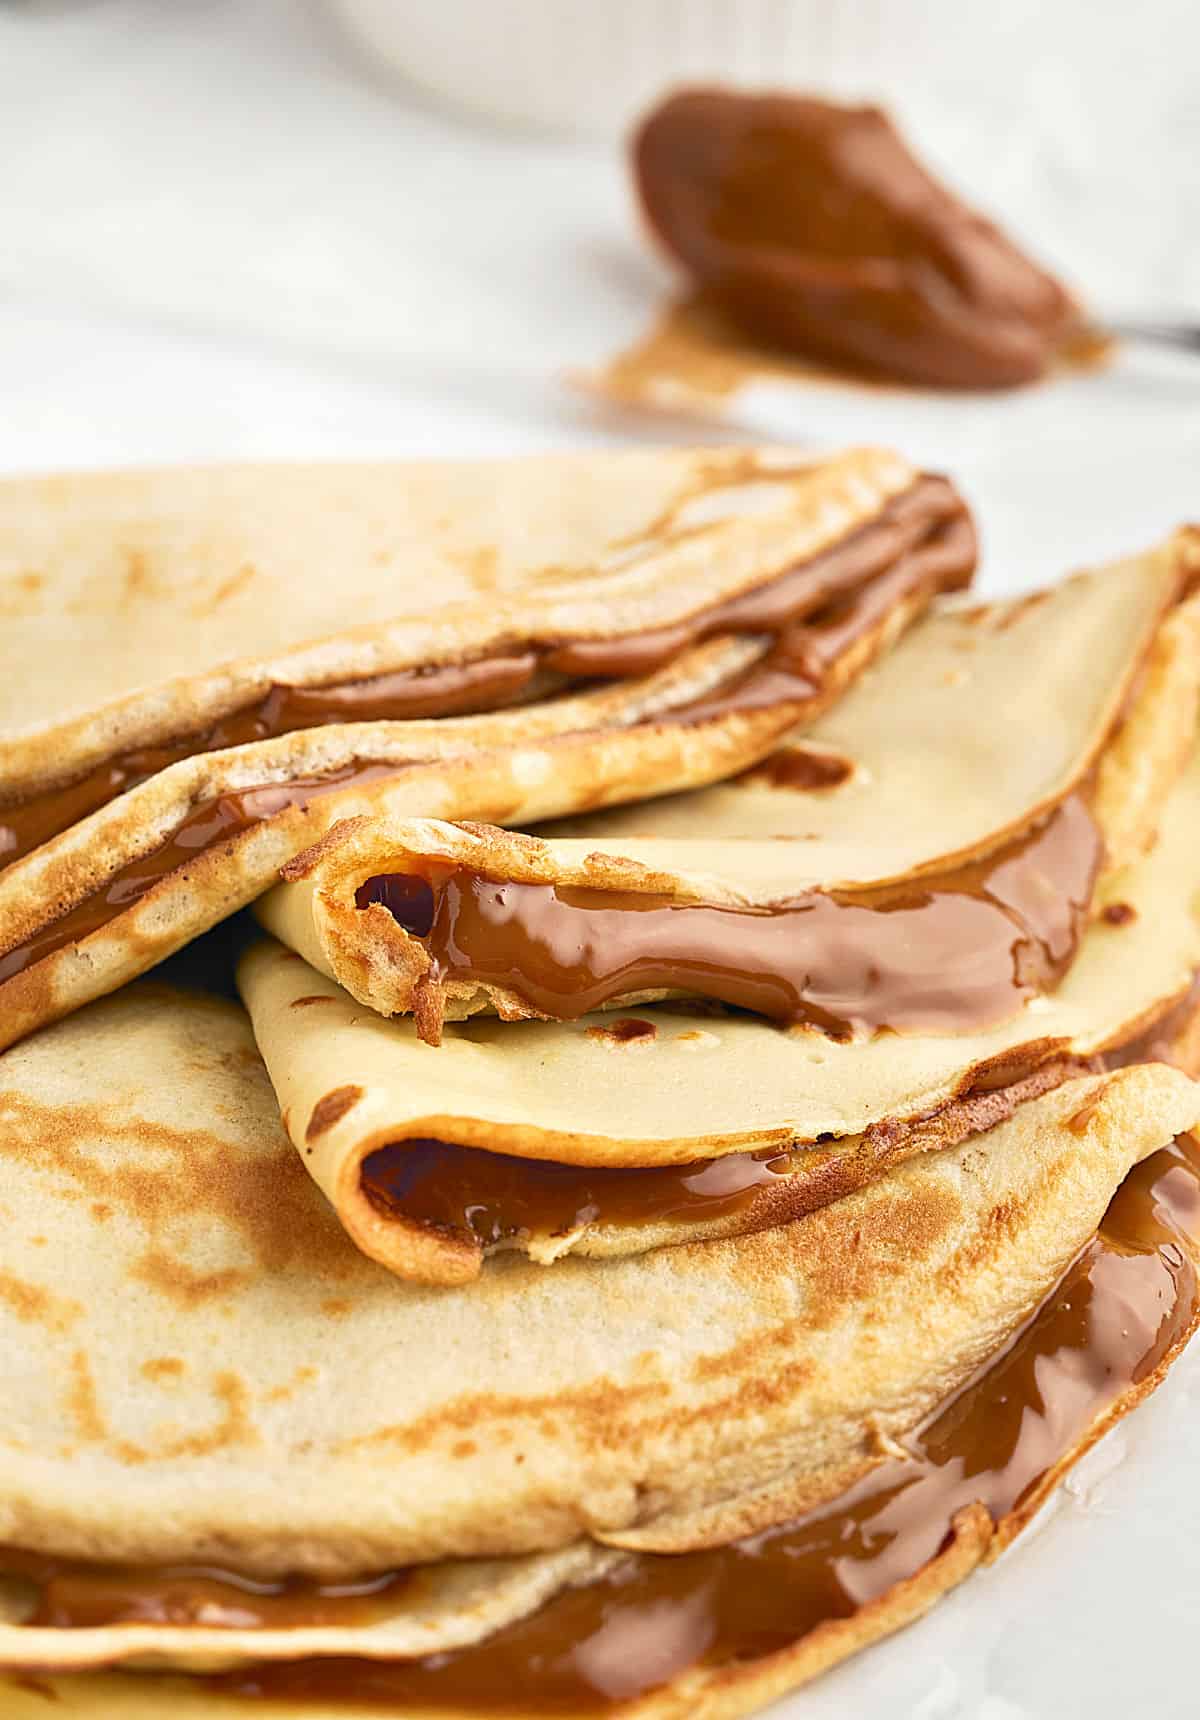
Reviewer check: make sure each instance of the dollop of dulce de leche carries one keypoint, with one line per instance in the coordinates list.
(814, 227)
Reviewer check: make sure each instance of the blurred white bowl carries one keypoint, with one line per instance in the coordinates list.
(589, 66)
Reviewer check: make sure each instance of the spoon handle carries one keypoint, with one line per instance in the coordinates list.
(1162, 331)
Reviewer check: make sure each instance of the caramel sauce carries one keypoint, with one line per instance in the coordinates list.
(495, 1197)
(909, 520)
(1118, 1314)
(961, 950)
(74, 1595)
(206, 826)
(814, 228)
(457, 689)
(801, 768)
(790, 675)
(694, 357)
(799, 663)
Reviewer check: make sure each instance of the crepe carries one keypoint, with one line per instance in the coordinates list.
(544, 1128)
(432, 1162)
(663, 578)
(272, 1402)
(1087, 689)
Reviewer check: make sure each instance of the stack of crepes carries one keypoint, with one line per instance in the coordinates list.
(620, 1264)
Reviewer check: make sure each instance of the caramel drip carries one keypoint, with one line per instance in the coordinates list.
(441, 690)
(495, 1197)
(1121, 1310)
(952, 952)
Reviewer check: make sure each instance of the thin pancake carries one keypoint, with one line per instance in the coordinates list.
(269, 1398)
(786, 539)
(136, 878)
(824, 1115)
(1027, 1171)
(737, 1625)
(191, 591)
(1096, 679)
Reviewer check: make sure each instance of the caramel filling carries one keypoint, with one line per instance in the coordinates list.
(207, 826)
(791, 675)
(440, 690)
(494, 1197)
(953, 952)
(1123, 1307)
(474, 1194)
(814, 228)
(455, 689)
(491, 1198)
(73, 1595)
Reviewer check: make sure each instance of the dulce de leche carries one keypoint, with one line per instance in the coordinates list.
(814, 228)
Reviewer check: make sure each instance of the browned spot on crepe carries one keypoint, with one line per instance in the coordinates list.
(164, 1368)
(236, 582)
(303, 1002)
(1079, 1122)
(285, 1393)
(18, 591)
(1010, 613)
(995, 1233)
(630, 1030)
(33, 1303)
(83, 1403)
(330, 1109)
(837, 1269)
(774, 1339)
(601, 1404)
(269, 1201)
(232, 1426)
(482, 566)
(304, 864)
(138, 576)
(186, 1285)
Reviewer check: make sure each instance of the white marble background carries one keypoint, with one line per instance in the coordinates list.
(222, 236)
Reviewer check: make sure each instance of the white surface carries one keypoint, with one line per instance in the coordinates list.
(221, 240)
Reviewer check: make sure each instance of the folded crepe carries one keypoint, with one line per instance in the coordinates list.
(1009, 758)
(531, 1136)
(614, 1135)
(824, 1426)
(650, 622)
